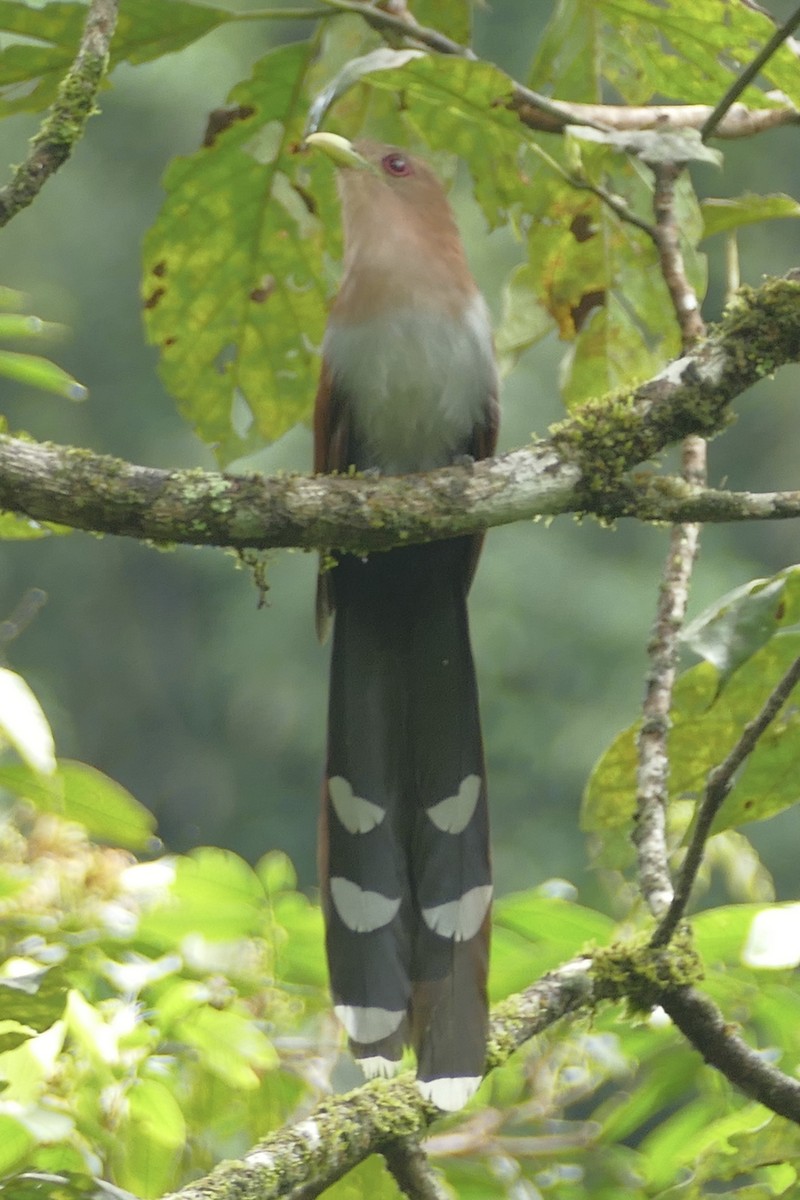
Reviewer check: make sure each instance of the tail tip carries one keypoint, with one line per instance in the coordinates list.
(449, 1094)
(378, 1067)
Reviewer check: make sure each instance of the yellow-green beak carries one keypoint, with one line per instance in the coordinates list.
(339, 150)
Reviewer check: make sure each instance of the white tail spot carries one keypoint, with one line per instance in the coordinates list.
(377, 1067)
(454, 814)
(449, 1094)
(362, 911)
(460, 919)
(356, 814)
(367, 1024)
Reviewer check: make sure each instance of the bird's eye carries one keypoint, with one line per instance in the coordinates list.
(396, 164)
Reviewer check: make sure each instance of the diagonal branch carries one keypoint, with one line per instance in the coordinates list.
(580, 468)
(720, 782)
(65, 122)
(711, 125)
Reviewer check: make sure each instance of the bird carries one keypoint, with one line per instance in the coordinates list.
(408, 383)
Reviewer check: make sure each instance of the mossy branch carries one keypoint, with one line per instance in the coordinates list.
(67, 119)
(583, 467)
(301, 1161)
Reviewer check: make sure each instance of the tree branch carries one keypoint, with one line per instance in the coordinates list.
(341, 1132)
(539, 112)
(580, 468)
(344, 1130)
(65, 122)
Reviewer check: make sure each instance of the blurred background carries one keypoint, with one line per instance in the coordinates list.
(158, 668)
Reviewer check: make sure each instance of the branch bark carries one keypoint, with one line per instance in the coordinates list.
(580, 468)
(67, 119)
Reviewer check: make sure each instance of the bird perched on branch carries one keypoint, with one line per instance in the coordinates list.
(408, 384)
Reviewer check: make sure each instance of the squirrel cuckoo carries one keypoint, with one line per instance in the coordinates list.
(408, 384)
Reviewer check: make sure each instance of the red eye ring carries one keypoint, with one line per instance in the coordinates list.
(396, 164)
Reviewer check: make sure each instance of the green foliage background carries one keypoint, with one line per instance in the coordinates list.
(159, 670)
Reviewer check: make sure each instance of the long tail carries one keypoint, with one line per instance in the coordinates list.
(404, 844)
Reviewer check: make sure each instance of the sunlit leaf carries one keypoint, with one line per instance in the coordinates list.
(214, 892)
(23, 723)
(15, 1143)
(105, 808)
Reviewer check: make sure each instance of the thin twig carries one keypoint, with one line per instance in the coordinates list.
(650, 834)
(412, 1171)
(617, 205)
(720, 782)
(64, 124)
(749, 73)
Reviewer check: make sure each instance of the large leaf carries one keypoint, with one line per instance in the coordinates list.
(733, 629)
(146, 30)
(459, 106)
(705, 727)
(233, 266)
(81, 793)
(689, 50)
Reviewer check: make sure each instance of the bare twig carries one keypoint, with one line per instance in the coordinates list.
(65, 122)
(653, 767)
(740, 121)
(413, 1174)
(749, 73)
(720, 782)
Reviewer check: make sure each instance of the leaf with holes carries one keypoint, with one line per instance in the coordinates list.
(234, 276)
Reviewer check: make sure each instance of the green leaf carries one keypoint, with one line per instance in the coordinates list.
(533, 933)
(15, 1143)
(457, 106)
(688, 51)
(146, 29)
(106, 809)
(33, 371)
(731, 630)
(451, 17)
(705, 727)
(35, 999)
(234, 276)
(149, 29)
(230, 1046)
(720, 215)
(215, 893)
(149, 1142)
(24, 725)
(18, 325)
(57, 28)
